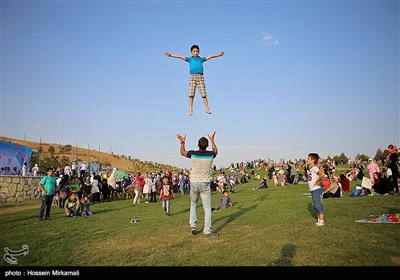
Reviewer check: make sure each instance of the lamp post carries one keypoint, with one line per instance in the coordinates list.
(40, 149)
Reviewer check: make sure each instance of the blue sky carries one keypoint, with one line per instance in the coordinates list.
(296, 77)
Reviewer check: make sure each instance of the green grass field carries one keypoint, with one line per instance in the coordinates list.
(269, 227)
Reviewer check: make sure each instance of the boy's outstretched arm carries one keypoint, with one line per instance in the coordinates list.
(215, 55)
(175, 55)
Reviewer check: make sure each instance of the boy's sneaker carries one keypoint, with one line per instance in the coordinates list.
(320, 224)
(210, 235)
(194, 231)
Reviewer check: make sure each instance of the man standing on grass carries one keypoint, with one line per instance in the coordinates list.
(47, 186)
(200, 181)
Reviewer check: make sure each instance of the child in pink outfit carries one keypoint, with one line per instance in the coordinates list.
(372, 168)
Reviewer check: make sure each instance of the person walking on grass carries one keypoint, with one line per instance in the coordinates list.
(314, 176)
(196, 79)
(166, 193)
(200, 181)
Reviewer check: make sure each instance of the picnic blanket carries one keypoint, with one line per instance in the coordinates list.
(382, 219)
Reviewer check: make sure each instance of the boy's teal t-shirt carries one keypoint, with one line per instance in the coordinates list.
(196, 64)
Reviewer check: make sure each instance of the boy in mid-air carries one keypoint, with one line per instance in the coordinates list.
(196, 74)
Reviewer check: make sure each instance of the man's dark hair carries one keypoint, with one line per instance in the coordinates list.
(194, 47)
(203, 143)
(314, 157)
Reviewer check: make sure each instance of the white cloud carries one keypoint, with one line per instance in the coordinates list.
(268, 39)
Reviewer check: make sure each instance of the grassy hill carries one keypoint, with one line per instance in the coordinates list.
(127, 163)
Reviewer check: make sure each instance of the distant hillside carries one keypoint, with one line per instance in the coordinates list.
(87, 155)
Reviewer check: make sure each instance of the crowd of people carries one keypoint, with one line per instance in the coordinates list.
(75, 191)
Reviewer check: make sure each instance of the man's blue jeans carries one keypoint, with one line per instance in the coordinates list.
(203, 190)
(46, 205)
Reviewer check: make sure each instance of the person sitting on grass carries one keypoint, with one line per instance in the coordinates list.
(85, 205)
(72, 206)
(225, 202)
(381, 185)
(263, 184)
(345, 182)
(333, 190)
(326, 182)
